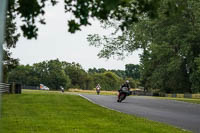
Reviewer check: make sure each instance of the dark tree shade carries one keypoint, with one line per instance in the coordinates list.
(132, 71)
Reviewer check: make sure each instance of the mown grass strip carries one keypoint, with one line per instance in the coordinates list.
(61, 113)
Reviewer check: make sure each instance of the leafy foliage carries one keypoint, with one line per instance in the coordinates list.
(132, 71)
(55, 73)
(32, 12)
(8, 64)
(126, 12)
(170, 58)
(77, 75)
(49, 73)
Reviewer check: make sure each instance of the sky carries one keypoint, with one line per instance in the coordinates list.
(55, 42)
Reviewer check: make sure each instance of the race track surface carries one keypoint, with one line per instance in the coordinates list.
(180, 114)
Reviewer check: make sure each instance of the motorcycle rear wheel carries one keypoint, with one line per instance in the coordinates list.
(121, 97)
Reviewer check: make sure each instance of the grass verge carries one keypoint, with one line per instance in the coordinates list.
(189, 100)
(61, 113)
(93, 92)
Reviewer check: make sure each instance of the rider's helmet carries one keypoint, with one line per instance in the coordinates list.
(127, 81)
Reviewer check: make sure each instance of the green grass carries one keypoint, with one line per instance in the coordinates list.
(102, 92)
(72, 91)
(62, 113)
(189, 100)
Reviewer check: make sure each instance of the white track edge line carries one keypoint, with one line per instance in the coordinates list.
(99, 104)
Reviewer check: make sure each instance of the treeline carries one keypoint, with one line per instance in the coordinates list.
(55, 73)
(171, 52)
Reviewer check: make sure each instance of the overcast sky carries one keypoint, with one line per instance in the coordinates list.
(55, 42)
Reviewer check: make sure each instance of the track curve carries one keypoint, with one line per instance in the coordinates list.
(180, 114)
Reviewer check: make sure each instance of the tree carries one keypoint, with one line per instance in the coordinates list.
(132, 71)
(32, 12)
(174, 48)
(169, 61)
(112, 80)
(89, 82)
(94, 70)
(20, 74)
(8, 64)
(11, 38)
(49, 73)
(125, 12)
(77, 75)
(56, 76)
(121, 43)
(133, 83)
(120, 73)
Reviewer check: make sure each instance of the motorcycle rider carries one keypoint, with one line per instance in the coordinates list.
(62, 89)
(98, 87)
(126, 84)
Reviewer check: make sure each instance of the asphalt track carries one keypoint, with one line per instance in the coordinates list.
(180, 114)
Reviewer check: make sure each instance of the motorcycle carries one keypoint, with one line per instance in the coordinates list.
(123, 93)
(98, 91)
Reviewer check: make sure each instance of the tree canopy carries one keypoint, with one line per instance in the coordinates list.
(125, 12)
(170, 45)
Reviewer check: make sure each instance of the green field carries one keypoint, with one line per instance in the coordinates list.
(62, 113)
